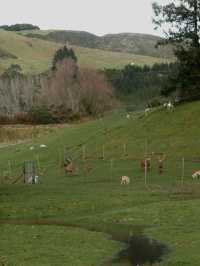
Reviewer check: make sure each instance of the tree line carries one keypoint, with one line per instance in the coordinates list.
(19, 27)
(64, 93)
(180, 21)
(134, 77)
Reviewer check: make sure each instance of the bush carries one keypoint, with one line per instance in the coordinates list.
(41, 115)
(61, 54)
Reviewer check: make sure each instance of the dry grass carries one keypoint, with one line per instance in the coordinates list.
(21, 133)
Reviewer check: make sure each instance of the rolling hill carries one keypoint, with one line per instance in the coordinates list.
(35, 55)
(135, 43)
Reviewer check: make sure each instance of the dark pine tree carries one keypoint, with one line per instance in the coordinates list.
(182, 18)
(61, 54)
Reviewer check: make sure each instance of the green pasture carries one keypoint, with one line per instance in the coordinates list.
(69, 219)
(35, 55)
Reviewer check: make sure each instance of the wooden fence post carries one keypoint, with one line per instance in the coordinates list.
(145, 172)
(103, 152)
(38, 162)
(125, 150)
(83, 152)
(183, 170)
(9, 168)
(111, 169)
(146, 147)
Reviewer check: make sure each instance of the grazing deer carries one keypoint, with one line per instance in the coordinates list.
(125, 180)
(145, 163)
(160, 163)
(196, 174)
(69, 168)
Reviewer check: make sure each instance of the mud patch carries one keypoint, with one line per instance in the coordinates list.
(141, 249)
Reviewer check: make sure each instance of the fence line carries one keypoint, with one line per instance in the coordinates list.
(13, 168)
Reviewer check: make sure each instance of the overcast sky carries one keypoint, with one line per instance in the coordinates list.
(96, 16)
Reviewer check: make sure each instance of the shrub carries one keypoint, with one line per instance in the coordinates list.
(61, 54)
(41, 115)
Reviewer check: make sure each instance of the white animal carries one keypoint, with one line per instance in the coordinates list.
(147, 111)
(125, 180)
(170, 106)
(196, 174)
(128, 116)
(43, 146)
(36, 179)
(32, 148)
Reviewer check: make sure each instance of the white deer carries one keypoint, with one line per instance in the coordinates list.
(196, 174)
(125, 180)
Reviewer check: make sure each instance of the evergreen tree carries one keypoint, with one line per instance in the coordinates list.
(181, 20)
(63, 53)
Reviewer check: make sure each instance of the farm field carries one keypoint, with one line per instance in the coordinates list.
(83, 219)
(35, 55)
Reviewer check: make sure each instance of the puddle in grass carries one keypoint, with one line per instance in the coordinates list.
(141, 249)
(138, 248)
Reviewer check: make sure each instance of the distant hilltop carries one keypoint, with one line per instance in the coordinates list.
(134, 43)
(19, 27)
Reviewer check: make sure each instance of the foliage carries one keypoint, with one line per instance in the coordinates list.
(143, 84)
(12, 71)
(183, 19)
(133, 77)
(96, 95)
(19, 27)
(41, 115)
(61, 54)
(76, 92)
(67, 92)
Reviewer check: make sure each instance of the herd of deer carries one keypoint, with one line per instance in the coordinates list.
(145, 165)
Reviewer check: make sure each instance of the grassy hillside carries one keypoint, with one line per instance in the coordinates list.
(142, 44)
(67, 216)
(35, 55)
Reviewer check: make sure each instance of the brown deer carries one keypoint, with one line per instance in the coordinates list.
(147, 162)
(161, 164)
(69, 168)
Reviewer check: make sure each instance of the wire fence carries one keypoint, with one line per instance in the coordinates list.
(103, 169)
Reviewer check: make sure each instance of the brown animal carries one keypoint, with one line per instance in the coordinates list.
(161, 163)
(69, 168)
(147, 162)
(160, 166)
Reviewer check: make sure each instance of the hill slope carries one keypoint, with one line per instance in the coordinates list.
(162, 208)
(35, 55)
(142, 44)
